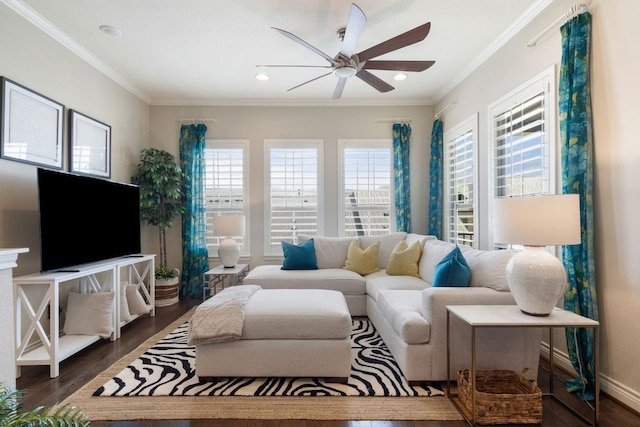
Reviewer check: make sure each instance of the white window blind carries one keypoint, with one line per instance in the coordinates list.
(226, 183)
(366, 188)
(460, 181)
(520, 156)
(294, 193)
(523, 140)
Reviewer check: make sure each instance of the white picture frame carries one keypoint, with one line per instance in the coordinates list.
(89, 146)
(31, 127)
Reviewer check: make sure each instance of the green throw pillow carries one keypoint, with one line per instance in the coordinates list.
(452, 271)
(299, 257)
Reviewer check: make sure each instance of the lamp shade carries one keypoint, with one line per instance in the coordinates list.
(229, 225)
(537, 220)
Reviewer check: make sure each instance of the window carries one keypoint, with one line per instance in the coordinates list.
(460, 183)
(226, 187)
(366, 188)
(523, 140)
(293, 191)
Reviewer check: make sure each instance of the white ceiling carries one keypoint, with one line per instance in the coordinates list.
(205, 52)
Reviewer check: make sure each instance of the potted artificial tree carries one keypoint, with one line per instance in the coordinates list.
(160, 180)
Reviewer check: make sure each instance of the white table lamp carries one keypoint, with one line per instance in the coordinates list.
(537, 279)
(228, 226)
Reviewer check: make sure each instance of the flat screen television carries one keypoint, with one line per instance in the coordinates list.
(85, 219)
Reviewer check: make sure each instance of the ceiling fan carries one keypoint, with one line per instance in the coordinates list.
(347, 64)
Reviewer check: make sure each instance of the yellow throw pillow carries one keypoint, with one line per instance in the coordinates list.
(404, 259)
(362, 261)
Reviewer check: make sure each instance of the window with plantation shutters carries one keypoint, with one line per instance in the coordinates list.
(523, 140)
(293, 191)
(226, 185)
(366, 188)
(460, 161)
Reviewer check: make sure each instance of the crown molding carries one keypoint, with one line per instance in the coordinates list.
(507, 35)
(54, 32)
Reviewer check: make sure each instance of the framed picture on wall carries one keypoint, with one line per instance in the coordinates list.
(90, 145)
(31, 127)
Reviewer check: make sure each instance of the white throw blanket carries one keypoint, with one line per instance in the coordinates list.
(221, 317)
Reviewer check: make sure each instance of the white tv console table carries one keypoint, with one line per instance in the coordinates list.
(34, 346)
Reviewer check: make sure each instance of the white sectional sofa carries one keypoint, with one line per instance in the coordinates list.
(410, 313)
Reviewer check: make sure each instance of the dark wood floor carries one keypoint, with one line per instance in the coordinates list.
(84, 366)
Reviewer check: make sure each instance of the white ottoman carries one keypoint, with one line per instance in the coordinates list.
(286, 333)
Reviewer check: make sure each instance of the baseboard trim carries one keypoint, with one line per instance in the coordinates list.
(617, 391)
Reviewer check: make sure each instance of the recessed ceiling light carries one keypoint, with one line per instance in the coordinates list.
(262, 77)
(110, 30)
(400, 76)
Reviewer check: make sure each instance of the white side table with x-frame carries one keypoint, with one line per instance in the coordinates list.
(510, 316)
(217, 275)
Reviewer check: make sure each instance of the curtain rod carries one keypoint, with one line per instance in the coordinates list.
(574, 10)
(446, 108)
(392, 120)
(196, 120)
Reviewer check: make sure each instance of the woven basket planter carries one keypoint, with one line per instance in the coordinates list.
(502, 397)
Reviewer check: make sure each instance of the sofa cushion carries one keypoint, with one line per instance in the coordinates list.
(488, 267)
(338, 279)
(299, 257)
(331, 252)
(362, 261)
(432, 254)
(422, 238)
(404, 259)
(452, 271)
(403, 311)
(296, 314)
(380, 280)
(387, 243)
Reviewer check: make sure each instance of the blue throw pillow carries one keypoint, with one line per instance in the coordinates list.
(299, 257)
(452, 271)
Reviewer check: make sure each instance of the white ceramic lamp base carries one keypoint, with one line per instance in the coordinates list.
(229, 252)
(537, 280)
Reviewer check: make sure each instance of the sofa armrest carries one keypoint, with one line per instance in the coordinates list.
(435, 301)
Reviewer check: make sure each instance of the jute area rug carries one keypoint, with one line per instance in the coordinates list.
(105, 408)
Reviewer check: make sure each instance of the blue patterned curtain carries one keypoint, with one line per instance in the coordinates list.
(576, 140)
(401, 158)
(194, 244)
(435, 180)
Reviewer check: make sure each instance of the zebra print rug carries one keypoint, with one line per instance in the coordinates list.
(168, 369)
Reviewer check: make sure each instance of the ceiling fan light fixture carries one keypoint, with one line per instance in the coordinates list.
(400, 76)
(262, 77)
(345, 71)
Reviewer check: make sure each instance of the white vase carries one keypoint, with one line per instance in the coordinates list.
(537, 280)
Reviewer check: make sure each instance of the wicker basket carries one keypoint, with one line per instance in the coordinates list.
(502, 397)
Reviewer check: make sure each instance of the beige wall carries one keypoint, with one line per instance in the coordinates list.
(35, 60)
(327, 123)
(615, 90)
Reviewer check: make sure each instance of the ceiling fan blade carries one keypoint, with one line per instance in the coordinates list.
(355, 25)
(337, 93)
(398, 65)
(305, 44)
(293, 66)
(374, 81)
(397, 42)
(309, 81)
